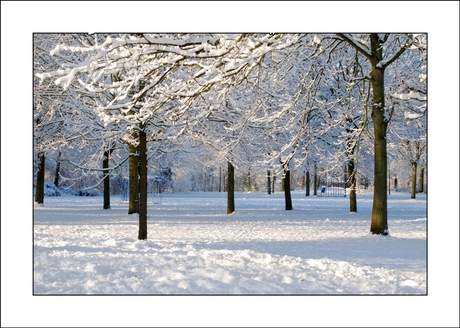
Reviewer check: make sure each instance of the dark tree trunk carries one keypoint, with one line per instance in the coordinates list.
(40, 185)
(273, 184)
(352, 185)
(307, 184)
(105, 166)
(379, 219)
(230, 189)
(350, 170)
(220, 178)
(269, 184)
(58, 169)
(421, 187)
(287, 187)
(315, 183)
(133, 206)
(414, 180)
(142, 185)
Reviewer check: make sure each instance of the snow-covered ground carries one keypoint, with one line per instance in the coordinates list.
(194, 247)
(317, 259)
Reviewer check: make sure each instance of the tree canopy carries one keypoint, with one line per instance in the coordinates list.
(259, 101)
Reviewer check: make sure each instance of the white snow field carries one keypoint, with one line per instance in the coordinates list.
(195, 248)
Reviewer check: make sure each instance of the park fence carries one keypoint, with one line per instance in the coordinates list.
(154, 195)
(332, 187)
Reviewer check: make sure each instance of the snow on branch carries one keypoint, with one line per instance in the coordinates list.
(109, 169)
(358, 44)
(412, 95)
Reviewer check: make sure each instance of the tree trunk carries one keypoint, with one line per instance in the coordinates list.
(420, 181)
(287, 187)
(352, 185)
(249, 181)
(105, 166)
(58, 168)
(379, 219)
(273, 184)
(315, 183)
(414, 179)
(231, 189)
(307, 184)
(40, 185)
(133, 206)
(220, 178)
(350, 168)
(269, 184)
(142, 185)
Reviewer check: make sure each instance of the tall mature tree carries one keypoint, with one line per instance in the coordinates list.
(380, 50)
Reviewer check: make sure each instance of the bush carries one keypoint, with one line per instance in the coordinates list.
(51, 189)
(89, 192)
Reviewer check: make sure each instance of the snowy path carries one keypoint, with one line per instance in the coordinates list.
(194, 247)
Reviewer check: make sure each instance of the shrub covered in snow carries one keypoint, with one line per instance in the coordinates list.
(51, 189)
(87, 192)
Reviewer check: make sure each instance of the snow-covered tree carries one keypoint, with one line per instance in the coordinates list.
(154, 79)
(408, 95)
(380, 51)
(254, 102)
(51, 108)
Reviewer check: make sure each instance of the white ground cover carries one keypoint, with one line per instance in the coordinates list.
(194, 247)
(261, 266)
